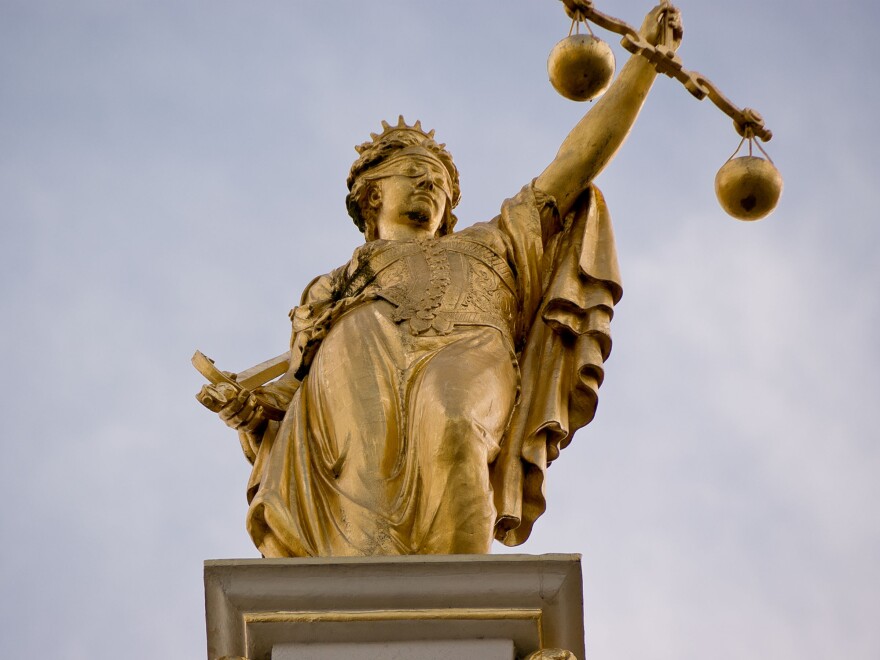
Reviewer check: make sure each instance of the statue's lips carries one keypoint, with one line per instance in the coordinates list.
(424, 197)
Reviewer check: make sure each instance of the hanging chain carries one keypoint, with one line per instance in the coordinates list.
(577, 17)
(754, 141)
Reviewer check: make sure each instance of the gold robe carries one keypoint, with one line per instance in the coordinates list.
(437, 381)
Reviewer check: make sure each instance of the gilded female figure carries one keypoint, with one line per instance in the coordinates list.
(434, 376)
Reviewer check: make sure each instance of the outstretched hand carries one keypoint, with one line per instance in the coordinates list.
(653, 29)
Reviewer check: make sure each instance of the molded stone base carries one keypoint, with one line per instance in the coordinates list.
(484, 649)
(485, 607)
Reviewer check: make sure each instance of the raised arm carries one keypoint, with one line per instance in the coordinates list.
(594, 141)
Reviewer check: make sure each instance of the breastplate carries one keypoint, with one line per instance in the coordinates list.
(438, 284)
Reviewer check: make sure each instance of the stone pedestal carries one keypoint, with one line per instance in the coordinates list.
(485, 607)
(484, 649)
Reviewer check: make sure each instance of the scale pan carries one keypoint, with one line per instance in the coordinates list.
(748, 188)
(581, 67)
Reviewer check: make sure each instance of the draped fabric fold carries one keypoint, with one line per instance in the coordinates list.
(562, 362)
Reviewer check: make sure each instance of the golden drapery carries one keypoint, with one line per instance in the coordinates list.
(567, 342)
(422, 465)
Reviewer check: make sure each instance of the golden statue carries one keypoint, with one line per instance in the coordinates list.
(433, 378)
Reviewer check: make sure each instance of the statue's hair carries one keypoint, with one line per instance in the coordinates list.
(382, 147)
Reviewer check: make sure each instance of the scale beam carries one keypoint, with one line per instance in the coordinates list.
(748, 122)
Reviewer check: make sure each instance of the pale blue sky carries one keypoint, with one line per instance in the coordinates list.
(173, 173)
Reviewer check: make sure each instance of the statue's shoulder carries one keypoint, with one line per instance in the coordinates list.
(329, 285)
(320, 287)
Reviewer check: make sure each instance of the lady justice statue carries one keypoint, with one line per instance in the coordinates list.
(433, 378)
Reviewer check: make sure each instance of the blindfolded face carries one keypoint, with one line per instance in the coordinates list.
(414, 194)
(424, 171)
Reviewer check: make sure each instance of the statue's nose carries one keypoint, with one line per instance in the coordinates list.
(426, 182)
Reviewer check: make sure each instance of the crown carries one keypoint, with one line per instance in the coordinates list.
(403, 131)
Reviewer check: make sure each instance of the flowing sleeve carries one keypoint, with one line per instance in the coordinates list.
(573, 283)
(530, 223)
